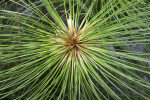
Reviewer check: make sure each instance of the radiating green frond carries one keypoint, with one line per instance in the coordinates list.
(75, 49)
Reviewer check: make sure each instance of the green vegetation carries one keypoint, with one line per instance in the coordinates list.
(75, 50)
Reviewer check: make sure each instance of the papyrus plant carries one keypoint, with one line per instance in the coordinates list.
(75, 50)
